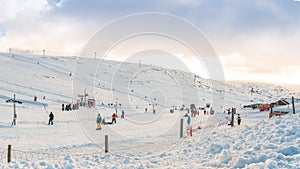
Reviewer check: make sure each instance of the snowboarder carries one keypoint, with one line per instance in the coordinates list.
(99, 120)
(239, 119)
(51, 117)
(114, 118)
(123, 114)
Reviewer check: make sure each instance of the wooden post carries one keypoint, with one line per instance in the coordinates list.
(9, 154)
(232, 116)
(106, 143)
(181, 128)
(294, 112)
(14, 118)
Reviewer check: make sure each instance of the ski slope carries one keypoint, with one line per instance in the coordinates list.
(141, 140)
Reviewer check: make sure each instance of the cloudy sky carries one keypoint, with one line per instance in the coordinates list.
(255, 39)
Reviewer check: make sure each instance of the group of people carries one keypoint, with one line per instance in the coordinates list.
(99, 120)
(102, 121)
(69, 107)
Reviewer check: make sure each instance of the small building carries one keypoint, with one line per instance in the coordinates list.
(253, 106)
(264, 107)
(284, 102)
(91, 103)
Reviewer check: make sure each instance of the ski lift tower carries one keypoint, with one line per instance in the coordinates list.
(14, 101)
(83, 103)
(153, 104)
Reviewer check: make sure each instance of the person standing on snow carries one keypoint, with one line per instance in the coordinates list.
(99, 120)
(239, 119)
(114, 118)
(188, 121)
(51, 118)
(14, 120)
(123, 114)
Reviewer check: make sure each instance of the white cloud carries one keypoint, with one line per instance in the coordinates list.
(234, 59)
(20, 9)
(59, 35)
(56, 3)
(283, 75)
(188, 2)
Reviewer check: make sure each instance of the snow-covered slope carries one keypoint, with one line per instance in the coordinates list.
(141, 140)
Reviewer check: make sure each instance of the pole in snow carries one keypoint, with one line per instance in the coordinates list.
(181, 128)
(294, 112)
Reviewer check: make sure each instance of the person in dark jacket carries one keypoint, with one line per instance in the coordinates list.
(239, 119)
(51, 118)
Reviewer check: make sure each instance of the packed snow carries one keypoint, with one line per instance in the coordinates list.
(143, 139)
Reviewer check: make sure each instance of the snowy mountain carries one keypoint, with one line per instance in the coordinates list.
(142, 139)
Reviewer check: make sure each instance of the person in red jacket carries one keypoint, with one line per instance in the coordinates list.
(114, 118)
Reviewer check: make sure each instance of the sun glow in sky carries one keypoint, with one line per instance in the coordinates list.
(255, 40)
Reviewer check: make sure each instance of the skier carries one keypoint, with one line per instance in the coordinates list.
(63, 107)
(114, 118)
(99, 120)
(51, 117)
(123, 114)
(239, 119)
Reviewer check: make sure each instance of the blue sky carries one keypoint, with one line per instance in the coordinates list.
(255, 39)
